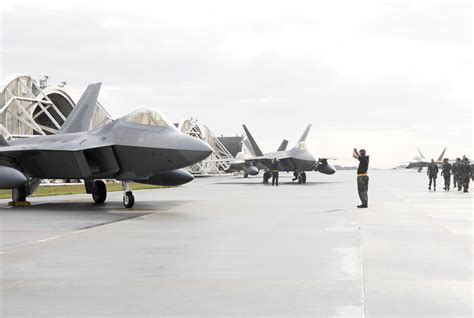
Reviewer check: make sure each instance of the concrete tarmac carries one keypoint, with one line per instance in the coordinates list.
(228, 246)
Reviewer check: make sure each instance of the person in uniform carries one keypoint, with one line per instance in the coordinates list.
(432, 174)
(275, 171)
(446, 173)
(456, 172)
(464, 174)
(362, 177)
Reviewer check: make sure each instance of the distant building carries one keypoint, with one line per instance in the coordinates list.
(232, 144)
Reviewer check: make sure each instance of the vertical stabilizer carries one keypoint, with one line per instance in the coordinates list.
(442, 155)
(255, 147)
(283, 145)
(3, 141)
(421, 154)
(248, 147)
(81, 116)
(305, 134)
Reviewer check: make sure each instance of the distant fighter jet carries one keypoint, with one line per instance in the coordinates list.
(248, 152)
(143, 147)
(298, 159)
(420, 162)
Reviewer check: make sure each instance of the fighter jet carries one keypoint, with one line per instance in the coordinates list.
(143, 147)
(248, 152)
(420, 162)
(298, 159)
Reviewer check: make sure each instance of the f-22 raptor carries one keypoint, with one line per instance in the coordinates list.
(143, 147)
(420, 162)
(248, 152)
(298, 159)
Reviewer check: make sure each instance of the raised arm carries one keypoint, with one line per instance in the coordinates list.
(355, 154)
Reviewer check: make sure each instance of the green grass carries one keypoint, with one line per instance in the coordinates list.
(76, 189)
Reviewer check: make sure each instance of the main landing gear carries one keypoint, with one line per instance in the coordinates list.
(300, 176)
(99, 192)
(128, 198)
(266, 176)
(20, 194)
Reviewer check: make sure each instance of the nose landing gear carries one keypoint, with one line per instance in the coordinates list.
(300, 176)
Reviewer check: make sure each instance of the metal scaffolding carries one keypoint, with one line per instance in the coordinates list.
(28, 108)
(218, 161)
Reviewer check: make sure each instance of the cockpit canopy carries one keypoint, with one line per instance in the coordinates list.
(148, 117)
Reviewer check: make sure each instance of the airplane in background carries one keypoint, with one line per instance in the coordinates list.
(298, 159)
(143, 147)
(248, 152)
(420, 162)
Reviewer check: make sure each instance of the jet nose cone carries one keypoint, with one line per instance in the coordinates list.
(195, 150)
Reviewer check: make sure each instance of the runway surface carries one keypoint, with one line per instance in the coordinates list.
(228, 246)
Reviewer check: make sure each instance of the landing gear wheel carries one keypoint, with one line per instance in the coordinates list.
(100, 192)
(128, 199)
(300, 179)
(19, 194)
(266, 176)
(303, 177)
(246, 175)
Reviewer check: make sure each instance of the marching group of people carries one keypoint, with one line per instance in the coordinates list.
(461, 170)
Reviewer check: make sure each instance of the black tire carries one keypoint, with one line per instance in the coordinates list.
(266, 176)
(303, 177)
(300, 179)
(19, 194)
(100, 192)
(246, 175)
(128, 200)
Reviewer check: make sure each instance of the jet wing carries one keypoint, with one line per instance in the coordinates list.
(94, 159)
(286, 162)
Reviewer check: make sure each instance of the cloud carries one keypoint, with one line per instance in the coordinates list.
(360, 71)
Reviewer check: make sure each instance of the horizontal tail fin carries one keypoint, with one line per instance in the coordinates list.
(283, 145)
(81, 116)
(305, 134)
(254, 145)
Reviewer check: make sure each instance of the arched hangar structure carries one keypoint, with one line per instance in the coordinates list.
(28, 108)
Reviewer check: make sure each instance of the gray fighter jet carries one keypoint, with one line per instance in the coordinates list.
(143, 147)
(298, 159)
(420, 162)
(248, 152)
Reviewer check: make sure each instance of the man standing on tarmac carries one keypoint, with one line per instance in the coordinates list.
(432, 173)
(275, 164)
(464, 174)
(456, 172)
(446, 173)
(362, 177)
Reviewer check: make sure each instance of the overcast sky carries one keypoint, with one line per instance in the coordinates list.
(384, 75)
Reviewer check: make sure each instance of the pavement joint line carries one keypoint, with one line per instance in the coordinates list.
(85, 229)
(362, 277)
